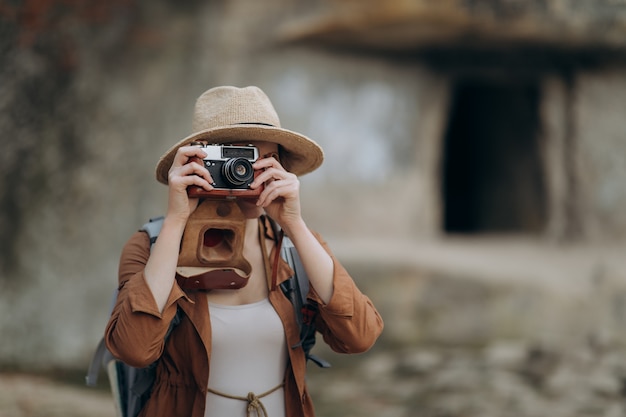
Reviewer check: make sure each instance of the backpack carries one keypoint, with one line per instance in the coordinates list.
(131, 387)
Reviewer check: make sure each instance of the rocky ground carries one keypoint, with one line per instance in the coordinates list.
(504, 379)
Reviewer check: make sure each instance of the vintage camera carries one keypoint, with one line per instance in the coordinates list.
(230, 167)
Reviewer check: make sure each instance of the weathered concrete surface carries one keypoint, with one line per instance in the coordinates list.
(401, 26)
(471, 292)
(601, 170)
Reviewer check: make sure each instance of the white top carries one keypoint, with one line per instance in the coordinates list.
(248, 354)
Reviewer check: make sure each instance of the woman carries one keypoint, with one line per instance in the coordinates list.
(233, 350)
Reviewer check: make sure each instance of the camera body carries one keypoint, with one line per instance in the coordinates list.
(230, 167)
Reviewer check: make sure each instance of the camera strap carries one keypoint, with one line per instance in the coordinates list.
(270, 272)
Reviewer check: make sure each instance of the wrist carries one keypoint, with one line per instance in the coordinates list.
(295, 228)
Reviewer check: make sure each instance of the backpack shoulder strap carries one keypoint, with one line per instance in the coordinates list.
(290, 255)
(153, 228)
(296, 290)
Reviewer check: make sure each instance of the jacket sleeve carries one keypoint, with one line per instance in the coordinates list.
(349, 323)
(136, 329)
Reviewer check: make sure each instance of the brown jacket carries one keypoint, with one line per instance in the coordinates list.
(349, 323)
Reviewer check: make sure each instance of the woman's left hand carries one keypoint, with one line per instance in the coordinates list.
(281, 196)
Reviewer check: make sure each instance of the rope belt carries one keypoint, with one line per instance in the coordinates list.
(253, 400)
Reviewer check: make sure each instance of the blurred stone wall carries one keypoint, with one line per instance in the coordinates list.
(93, 95)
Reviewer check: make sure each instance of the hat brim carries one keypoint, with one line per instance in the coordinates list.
(299, 155)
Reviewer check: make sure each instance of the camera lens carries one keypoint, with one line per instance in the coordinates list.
(238, 171)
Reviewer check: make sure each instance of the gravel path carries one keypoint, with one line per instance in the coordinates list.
(36, 396)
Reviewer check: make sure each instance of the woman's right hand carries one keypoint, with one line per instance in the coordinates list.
(187, 169)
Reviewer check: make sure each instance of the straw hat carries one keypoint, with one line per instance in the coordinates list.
(231, 114)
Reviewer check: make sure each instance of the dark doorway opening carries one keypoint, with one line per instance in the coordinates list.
(493, 180)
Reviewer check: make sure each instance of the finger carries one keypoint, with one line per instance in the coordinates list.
(191, 150)
(267, 163)
(272, 174)
(196, 180)
(185, 153)
(185, 181)
(191, 169)
(276, 190)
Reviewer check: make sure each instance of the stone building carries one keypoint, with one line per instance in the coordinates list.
(475, 156)
(518, 129)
